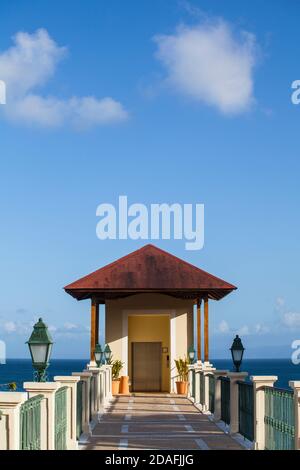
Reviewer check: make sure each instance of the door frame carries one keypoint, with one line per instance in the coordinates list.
(171, 313)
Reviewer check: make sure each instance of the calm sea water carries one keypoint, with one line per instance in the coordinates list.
(20, 370)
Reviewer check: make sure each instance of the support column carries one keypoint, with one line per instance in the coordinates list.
(10, 403)
(234, 399)
(94, 328)
(206, 339)
(217, 374)
(199, 330)
(259, 384)
(48, 389)
(70, 382)
(86, 378)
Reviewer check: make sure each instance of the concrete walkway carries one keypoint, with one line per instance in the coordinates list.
(157, 421)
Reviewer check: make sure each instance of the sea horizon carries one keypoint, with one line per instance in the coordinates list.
(20, 370)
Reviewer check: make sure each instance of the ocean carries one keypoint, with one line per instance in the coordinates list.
(20, 370)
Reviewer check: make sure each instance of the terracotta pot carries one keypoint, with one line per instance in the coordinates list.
(182, 388)
(115, 387)
(124, 385)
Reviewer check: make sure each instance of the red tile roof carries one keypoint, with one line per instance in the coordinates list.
(149, 269)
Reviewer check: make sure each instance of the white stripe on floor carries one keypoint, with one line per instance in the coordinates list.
(123, 444)
(189, 428)
(181, 417)
(124, 428)
(201, 444)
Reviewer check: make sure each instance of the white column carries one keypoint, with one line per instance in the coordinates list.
(207, 369)
(198, 369)
(47, 389)
(71, 383)
(96, 371)
(191, 368)
(217, 374)
(108, 380)
(234, 399)
(102, 387)
(10, 403)
(259, 382)
(86, 378)
(295, 385)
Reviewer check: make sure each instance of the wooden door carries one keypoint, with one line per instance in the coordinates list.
(146, 367)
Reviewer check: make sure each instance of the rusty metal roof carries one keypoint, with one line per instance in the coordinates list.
(149, 269)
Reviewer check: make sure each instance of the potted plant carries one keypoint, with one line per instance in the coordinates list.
(183, 371)
(116, 369)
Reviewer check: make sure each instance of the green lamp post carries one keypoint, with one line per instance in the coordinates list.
(40, 347)
(98, 355)
(107, 354)
(191, 354)
(237, 351)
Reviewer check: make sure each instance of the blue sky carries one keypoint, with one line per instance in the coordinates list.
(172, 101)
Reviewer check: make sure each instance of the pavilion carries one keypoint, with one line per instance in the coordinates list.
(149, 297)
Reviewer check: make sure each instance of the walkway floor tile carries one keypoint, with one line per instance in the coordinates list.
(157, 421)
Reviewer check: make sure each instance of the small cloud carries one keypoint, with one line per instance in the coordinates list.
(9, 326)
(17, 327)
(280, 302)
(223, 327)
(27, 66)
(244, 331)
(291, 320)
(70, 326)
(261, 329)
(210, 64)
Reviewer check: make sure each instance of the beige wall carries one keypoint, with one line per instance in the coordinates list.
(180, 314)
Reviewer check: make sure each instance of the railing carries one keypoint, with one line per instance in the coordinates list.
(225, 399)
(79, 409)
(30, 424)
(246, 410)
(279, 419)
(211, 392)
(202, 389)
(61, 419)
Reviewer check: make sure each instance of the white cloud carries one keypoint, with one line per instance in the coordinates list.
(27, 66)
(17, 327)
(280, 302)
(223, 327)
(9, 326)
(260, 329)
(244, 331)
(70, 326)
(291, 320)
(210, 64)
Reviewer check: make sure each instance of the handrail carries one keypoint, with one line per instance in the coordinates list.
(278, 389)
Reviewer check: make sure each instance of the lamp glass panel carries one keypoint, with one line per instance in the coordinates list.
(237, 354)
(39, 353)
